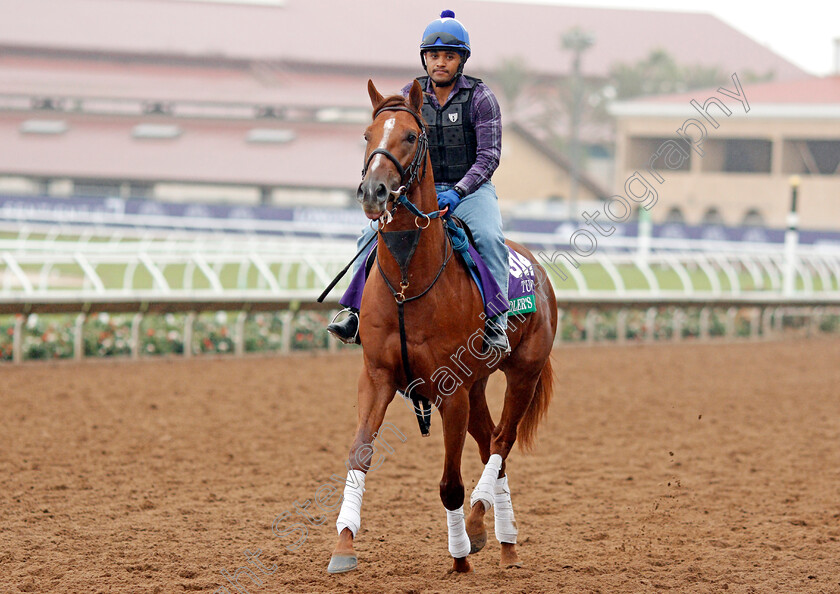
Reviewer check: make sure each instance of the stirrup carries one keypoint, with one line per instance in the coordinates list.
(340, 330)
(503, 343)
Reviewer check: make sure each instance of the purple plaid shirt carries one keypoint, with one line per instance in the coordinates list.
(487, 119)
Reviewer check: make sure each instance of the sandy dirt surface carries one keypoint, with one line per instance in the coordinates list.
(691, 468)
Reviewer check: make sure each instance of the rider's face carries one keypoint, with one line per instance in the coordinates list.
(442, 65)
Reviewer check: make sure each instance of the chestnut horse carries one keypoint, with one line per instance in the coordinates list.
(442, 328)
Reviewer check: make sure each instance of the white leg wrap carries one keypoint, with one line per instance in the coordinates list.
(486, 484)
(350, 515)
(505, 522)
(459, 542)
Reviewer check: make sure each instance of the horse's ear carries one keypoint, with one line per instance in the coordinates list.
(415, 96)
(376, 97)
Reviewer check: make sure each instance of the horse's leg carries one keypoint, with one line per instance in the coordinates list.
(374, 398)
(521, 386)
(481, 428)
(505, 524)
(454, 412)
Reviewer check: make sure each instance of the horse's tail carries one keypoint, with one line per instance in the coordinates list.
(527, 430)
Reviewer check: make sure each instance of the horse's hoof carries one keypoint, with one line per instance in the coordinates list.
(342, 563)
(477, 542)
(510, 558)
(461, 566)
(475, 528)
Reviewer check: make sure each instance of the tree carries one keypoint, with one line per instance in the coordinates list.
(660, 74)
(656, 74)
(513, 78)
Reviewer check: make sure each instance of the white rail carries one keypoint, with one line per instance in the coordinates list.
(89, 271)
(83, 271)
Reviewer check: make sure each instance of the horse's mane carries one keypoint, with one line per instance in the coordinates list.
(392, 101)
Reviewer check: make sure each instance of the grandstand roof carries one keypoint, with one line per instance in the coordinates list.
(808, 98)
(812, 90)
(377, 33)
(316, 156)
(57, 77)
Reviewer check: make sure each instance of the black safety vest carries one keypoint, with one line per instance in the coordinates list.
(451, 132)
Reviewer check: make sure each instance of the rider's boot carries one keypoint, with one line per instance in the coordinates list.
(347, 330)
(495, 337)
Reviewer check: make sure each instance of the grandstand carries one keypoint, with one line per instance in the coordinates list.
(210, 102)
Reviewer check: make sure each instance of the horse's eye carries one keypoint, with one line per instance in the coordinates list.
(412, 137)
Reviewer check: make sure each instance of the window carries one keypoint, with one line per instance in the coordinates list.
(156, 131)
(753, 218)
(97, 188)
(826, 154)
(140, 190)
(43, 127)
(48, 103)
(815, 157)
(662, 154)
(712, 217)
(270, 135)
(744, 155)
(343, 115)
(675, 216)
(110, 188)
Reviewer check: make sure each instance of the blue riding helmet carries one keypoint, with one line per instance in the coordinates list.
(445, 33)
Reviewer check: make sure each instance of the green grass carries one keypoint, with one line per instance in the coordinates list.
(113, 277)
(296, 276)
(598, 279)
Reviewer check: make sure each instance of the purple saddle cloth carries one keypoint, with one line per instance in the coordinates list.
(520, 297)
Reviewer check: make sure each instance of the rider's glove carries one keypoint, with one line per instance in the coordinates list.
(450, 198)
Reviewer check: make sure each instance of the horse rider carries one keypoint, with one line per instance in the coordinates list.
(464, 126)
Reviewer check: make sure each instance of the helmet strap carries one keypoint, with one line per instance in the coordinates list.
(450, 82)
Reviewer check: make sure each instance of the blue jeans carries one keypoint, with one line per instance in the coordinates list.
(480, 211)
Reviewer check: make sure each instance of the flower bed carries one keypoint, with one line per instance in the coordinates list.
(107, 335)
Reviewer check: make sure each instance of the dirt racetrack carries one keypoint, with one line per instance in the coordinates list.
(691, 468)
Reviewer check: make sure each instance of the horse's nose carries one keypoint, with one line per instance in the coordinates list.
(372, 191)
